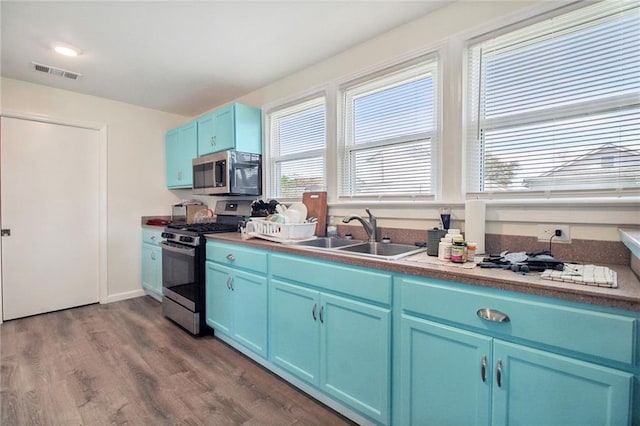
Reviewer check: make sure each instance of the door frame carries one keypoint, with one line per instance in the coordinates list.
(101, 128)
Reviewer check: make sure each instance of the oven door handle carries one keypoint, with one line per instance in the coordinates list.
(191, 252)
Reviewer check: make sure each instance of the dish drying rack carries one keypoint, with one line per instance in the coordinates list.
(279, 232)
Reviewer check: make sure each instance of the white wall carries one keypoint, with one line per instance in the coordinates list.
(446, 30)
(135, 166)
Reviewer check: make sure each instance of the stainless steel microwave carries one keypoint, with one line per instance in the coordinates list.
(228, 173)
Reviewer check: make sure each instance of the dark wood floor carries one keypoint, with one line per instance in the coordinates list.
(123, 363)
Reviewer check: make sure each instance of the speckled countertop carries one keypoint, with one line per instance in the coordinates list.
(626, 296)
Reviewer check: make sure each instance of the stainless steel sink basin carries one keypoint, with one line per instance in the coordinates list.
(387, 251)
(329, 242)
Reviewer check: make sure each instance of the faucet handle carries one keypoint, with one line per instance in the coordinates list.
(371, 216)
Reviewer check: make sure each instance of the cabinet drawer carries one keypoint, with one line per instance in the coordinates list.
(151, 236)
(349, 280)
(237, 256)
(593, 333)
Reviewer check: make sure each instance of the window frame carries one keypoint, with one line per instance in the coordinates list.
(394, 74)
(273, 112)
(471, 127)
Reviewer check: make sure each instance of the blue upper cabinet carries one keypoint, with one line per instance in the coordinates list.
(181, 149)
(235, 126)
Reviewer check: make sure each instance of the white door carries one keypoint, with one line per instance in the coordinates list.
(49, 197)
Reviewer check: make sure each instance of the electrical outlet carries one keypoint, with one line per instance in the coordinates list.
(546, 231)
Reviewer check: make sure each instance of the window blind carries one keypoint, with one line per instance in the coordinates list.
(297, 142)
(555, 106)
(389, 128)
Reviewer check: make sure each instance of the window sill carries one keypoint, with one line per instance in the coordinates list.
(631, 239)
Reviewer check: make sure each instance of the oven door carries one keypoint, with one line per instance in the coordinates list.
(180, 274)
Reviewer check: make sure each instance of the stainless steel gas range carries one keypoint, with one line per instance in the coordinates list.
(183, 264)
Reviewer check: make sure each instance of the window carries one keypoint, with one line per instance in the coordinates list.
(297, 142)
(389, 132)
(555, 106)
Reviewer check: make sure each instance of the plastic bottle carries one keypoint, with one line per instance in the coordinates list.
(444, 248)
(457, 251)
(471, 251)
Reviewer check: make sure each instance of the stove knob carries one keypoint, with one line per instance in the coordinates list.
(186, 239)
(166, 235)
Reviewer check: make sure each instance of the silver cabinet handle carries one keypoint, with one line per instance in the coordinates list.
(313, 311)
(492, 315)
(321, 314)
(483, 369)
(231, 257)
(153, 256)
(153, 238)
(232, 289)
(229, 283)
(499, 373)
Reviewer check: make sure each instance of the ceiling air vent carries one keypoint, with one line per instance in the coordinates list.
(56, 71)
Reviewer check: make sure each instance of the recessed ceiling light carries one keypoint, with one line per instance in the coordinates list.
(66, 50)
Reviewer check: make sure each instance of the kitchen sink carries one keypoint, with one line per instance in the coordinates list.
(329, 242)
(387, 251)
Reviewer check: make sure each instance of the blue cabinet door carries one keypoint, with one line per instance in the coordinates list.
(249, 293)
(172, 151)
(206, 134)
(216, 131)
(247, 128)
(294, 334)
(149, 267)
(181, 148)
(152, 262)
(355, 358)
(218, 298)
(225, 134)
(234, 126)
(156, 275)
(445, 375)
(541, 388)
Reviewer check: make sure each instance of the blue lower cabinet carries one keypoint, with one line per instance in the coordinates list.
(152, 263)
(294, 330)
(328, 329)
(250, 311)
(446, 375)
(236, 305)
(355, 354)
(339, 345)
(452, 375)
(541, 388)
(218, 298)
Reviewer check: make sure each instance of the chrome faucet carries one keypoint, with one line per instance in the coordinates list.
(371, 227)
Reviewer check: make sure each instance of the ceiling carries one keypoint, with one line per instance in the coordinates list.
(186, 57)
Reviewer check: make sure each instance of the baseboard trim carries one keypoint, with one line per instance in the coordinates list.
(124, 296)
